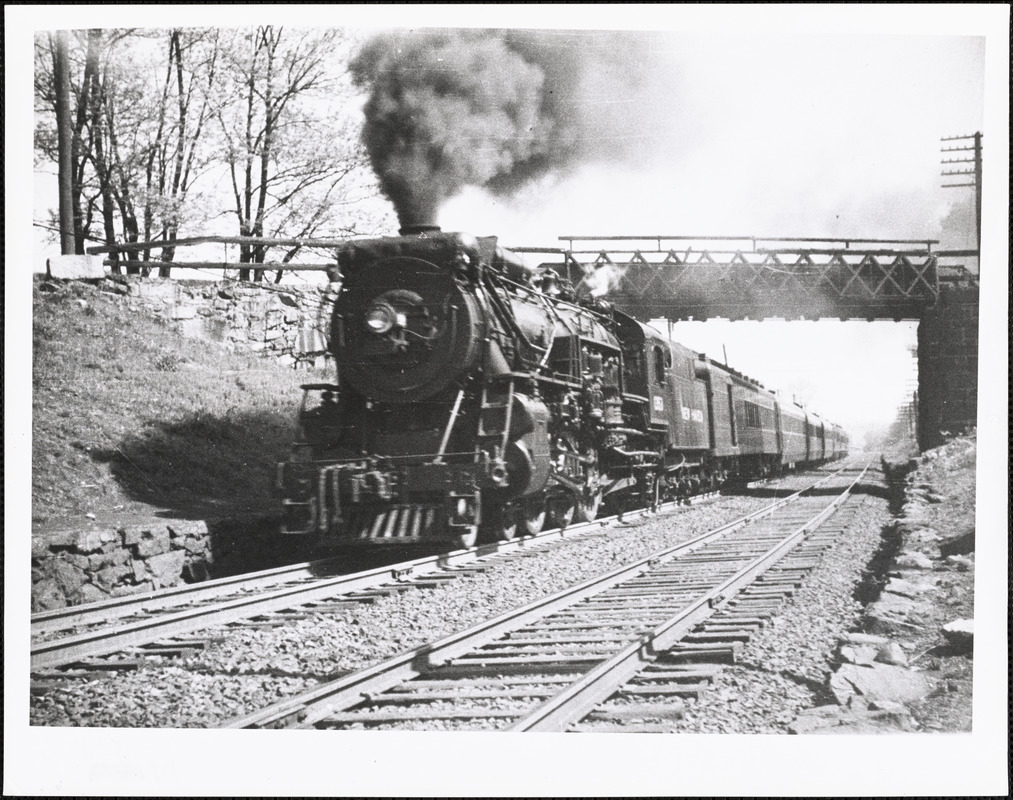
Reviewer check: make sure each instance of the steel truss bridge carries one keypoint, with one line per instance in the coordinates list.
(748, 277)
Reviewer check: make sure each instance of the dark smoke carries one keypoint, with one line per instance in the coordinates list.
(496, 109)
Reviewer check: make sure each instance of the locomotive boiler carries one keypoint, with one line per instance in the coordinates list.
(475, 397)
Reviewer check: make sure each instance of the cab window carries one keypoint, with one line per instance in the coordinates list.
(659, 365)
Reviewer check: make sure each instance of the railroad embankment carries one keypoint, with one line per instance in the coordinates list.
(909, 666)
(154, 443)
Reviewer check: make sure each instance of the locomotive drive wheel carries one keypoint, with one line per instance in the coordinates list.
(500, 524)
(532, 516)
(587, 507)
(560, 509)
(465, 538)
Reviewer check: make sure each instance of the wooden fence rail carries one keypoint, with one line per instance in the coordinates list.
(127, 247)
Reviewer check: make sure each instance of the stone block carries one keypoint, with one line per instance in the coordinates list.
(184, 312)
(75, 267)
(115, 286)
(188, 527)
(864, 638)
(195, 545)
(67, 576)
(61, 538)
(46, 594)
(134, 533)
(913, 560)
(78, 560)
(893, 720)
(89, 541)
(879, 682)
(905, 588)
(858, 653)
(196, 572)
(140, 569)
(111, 575)
(960, 634)
(893, 613)
(962, 563)
(159, 290)
(167, 568)
(153, 543)
(891, 653)
(92, 594)
(114, 558)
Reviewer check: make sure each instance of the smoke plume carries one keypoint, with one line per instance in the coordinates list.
(494, 109)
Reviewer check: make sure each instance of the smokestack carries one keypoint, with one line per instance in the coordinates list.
(418, 230)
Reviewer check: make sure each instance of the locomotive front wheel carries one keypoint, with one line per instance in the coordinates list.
(466, 537)
(532, 516)
(587, 509)
(500, 524)
(560, 509)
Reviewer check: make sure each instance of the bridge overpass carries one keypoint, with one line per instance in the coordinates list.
(749, 277)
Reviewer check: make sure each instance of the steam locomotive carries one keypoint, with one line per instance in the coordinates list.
(475, 397)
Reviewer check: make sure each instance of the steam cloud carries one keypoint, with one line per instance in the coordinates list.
(495, 109)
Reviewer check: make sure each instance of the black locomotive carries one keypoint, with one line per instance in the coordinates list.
(475, 396)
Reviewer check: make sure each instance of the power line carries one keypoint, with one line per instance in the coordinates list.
(974, 173)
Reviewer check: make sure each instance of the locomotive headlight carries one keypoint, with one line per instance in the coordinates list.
(380, 318)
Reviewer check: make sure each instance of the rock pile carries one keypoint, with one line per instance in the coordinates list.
(877, 686)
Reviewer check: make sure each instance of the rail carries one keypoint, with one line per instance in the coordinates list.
(604, 680)
(307, 709)
(131, 621)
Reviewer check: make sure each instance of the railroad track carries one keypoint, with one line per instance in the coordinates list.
(654, 631)
(157, 623)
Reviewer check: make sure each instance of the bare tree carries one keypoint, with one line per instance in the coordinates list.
(169, 128)
(289, 155)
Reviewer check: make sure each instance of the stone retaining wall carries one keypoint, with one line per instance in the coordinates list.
(84, 566)
(286, 323)
(70, 567)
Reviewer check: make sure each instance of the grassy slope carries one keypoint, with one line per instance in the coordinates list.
(129, 418)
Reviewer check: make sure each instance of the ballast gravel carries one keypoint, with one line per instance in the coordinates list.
(253, 667)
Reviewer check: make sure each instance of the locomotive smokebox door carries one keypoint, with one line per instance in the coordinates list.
(409, 329)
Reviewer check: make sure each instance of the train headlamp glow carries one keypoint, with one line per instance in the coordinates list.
(381, 318)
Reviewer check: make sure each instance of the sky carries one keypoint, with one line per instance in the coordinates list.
(811, 120)
(778, 135)
(730, 133)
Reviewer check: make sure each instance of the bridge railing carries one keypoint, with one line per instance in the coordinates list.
(682, 276)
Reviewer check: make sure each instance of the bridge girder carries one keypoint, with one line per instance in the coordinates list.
(789, 282)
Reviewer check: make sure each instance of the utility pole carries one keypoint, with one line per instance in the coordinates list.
(969, 143)
(61, 76)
